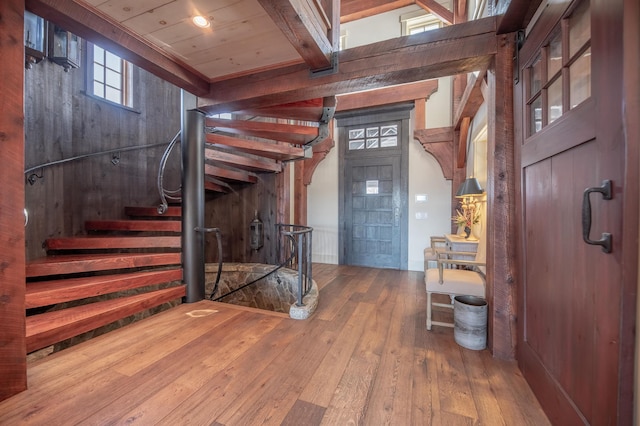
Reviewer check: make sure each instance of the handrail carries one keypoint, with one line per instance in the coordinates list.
(167, 193)
(32, 178)
(300, 237)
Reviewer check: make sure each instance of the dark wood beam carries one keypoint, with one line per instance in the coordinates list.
(269, 150)
(460, 14)
(439, 143)
(387, 95)
(472, 99)
(305, 25)
(242, 161)
(13, 356)
(466, 47)
(436, 9)
(515, 15)
(282, 132)
(461, 160)
(96, 27)
(350, 10)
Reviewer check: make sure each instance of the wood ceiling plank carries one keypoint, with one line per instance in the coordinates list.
(242, 162)
(95, 26)
(270, 150)
(228, 174)
(281, 132)
(387, 95)
(305, 27)
(436, 9)
(446, 51)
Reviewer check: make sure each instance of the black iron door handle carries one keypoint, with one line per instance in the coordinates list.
(605, 240)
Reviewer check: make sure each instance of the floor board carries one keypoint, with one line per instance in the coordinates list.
(365, 357)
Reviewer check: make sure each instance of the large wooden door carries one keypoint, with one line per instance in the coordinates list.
(373, 190)
(573, 342)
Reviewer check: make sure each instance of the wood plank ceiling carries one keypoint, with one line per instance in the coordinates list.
(249, 42)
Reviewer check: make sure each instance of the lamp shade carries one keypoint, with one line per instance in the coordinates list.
(470, 186)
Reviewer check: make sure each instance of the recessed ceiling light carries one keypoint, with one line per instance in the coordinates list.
(201, 21)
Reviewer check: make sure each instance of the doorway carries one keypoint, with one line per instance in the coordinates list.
(374, 187)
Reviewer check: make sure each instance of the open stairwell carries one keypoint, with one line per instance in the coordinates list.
(123, 267)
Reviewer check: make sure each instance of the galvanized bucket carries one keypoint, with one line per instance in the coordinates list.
(470, 322)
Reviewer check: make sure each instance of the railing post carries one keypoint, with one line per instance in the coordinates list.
(300, 269)
(193, 142)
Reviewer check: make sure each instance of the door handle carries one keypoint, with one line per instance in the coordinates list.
(397, 217)
(605, 239)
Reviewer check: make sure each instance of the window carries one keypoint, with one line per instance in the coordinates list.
(110, 77)
(559, 78)
(418, 22)
(372, 137)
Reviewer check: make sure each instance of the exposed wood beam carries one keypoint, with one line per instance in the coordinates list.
(282, 132)
(387, 95)
(472, 99)
(13, 356)
(93, 25)
(242, 161)
(436, 9)
(305, 26)
(223, 173)
(461, 11)
(420, 107)
(515, 14)
(270, 150)
(439, 143)
(350, 10)
(466, 47)
(462, 143)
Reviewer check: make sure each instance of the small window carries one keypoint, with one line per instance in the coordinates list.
(419, 22)
(110, 77)
(557, 71)
(372, 137)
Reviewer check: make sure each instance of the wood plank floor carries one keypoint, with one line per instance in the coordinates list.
(363, 358)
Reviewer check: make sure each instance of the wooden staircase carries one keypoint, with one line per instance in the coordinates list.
(115, 259)
(66, 291)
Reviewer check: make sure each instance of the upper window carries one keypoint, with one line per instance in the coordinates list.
(559, 79)
(372, 137)
(418, 22)
(110, 77)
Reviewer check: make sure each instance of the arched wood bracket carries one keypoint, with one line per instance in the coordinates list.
(439, 143)
(320, 152)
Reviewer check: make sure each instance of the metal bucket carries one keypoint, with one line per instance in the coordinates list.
(470, 322)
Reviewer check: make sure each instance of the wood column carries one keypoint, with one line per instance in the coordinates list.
(300, 194)
(501, 230)
(13, 368)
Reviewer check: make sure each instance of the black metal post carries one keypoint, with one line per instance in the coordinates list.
(193, 142)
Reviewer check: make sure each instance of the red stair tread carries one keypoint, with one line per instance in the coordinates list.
(134, 225)
(70, 264)
(51, 327)
(73, 243)
(172, 211)
(44, 293)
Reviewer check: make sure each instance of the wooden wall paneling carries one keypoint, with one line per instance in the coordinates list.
(13, 371)
(501, 243)
(61, 121)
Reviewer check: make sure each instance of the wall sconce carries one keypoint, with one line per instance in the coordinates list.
(34, 39)
(64, 47)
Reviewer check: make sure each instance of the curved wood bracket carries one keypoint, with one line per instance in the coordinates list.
(439, 143)
(320, 152)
